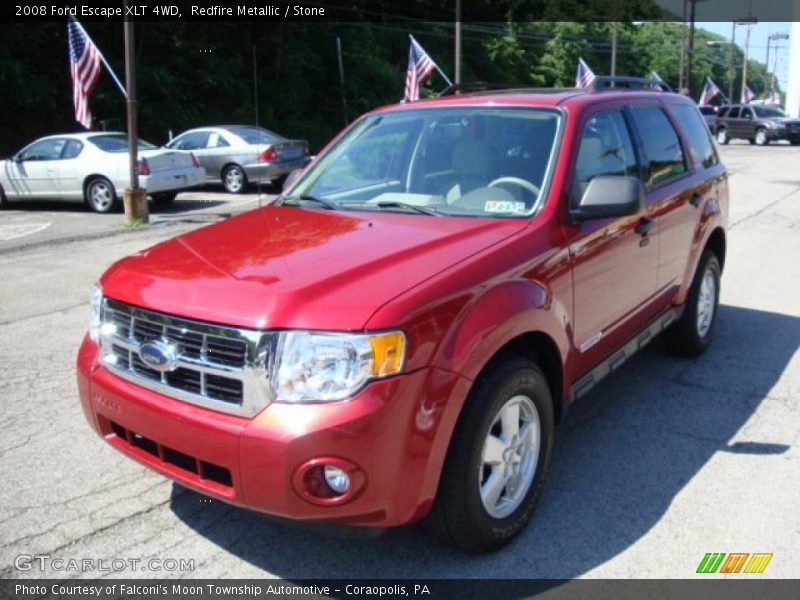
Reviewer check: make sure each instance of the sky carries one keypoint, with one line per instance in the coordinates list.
(759, 34)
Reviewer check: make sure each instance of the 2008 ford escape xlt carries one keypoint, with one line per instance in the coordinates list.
(396, 337)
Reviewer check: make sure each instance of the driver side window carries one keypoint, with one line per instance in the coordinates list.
(605, 149)
(44, 150)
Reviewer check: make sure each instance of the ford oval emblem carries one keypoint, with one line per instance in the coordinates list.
(159, 355)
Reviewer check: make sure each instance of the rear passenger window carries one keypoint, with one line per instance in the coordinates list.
(699, 138)
(733, 112)
(72, 149)
(605, 149)
(663, 156)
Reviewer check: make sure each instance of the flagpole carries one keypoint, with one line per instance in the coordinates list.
(446, 78)
(102, 58)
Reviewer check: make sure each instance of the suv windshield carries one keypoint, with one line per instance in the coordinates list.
(474, 161)
(768, 113)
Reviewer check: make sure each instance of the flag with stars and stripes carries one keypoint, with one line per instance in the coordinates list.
(710, 90)
(584, 78)
(84, 66)
(420, 67)
(748, 95)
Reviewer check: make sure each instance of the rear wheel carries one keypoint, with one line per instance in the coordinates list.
(3, 199)
(100, 195)
(722, 136)
(761, 137)
(498, 458)
(234, 179)
(692, 334)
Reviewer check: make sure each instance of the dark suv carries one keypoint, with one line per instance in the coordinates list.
(758, 124)
(397, 335)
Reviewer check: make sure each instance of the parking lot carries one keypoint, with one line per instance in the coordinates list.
(665, 461)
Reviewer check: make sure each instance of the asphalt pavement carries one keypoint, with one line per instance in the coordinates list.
(666, 460)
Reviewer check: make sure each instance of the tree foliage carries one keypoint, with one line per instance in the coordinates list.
(191, 74)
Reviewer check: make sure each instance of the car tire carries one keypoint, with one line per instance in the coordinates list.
(693, 333)
(234, 179)
(794, 142)
(100, 195)
(752, 142)
(761, 138)
(722, 136)
(471, 512)
(3, 199)
(163, 198)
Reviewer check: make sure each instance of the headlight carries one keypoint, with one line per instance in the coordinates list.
(324, 367)
(96, 317)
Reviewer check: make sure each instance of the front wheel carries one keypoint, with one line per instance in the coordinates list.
(234, 179)
(100, 195)
(722, 136)
(498, 458)
(761, 137)
(692, 334)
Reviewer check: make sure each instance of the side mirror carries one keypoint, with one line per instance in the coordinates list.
(609, 196)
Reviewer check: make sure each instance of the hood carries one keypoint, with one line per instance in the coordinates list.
(288, 267)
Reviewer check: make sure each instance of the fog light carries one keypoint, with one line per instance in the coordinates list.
(337, 479)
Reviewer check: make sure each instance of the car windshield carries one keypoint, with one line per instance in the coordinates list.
(117, 142)
(256, 135)
(768, 112)
(472, 161)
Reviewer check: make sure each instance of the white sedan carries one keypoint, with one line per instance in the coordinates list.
(93, 168)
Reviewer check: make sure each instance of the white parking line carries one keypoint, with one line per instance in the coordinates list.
(12, 231)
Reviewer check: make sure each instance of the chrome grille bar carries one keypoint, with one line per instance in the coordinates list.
(218, 367)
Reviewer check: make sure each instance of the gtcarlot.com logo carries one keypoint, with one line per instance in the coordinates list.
(45, 562)
(736, 562)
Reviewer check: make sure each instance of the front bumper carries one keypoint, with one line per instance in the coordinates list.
(268, 171)
(396, 431)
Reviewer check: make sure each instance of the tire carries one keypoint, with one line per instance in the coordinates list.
(722, 136)
(794, 142)
(693, 333)
(164, 198)
(3, 199)
(100, 195)
(761, 137)
(234, 179)
(752, 142)
(466, 514)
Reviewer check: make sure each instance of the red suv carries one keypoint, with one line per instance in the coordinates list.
(398, 335)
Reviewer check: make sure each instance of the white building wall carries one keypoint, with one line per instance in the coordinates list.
(793, 86)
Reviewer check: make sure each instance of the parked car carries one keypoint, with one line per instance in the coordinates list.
(709, 115)
(758, 124)
(93, 168)
(397, 337)
(240, 154)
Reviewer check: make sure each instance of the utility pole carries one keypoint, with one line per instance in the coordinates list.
(458, 43)
(744, 62)
(255, 81)
(731, 68)
(341, 78)
(134, 198)
(614, 40)
(681, 71)
(690, 52)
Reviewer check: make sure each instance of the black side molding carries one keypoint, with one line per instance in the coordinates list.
(580, 387)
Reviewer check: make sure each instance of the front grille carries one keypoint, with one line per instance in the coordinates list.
(202, 469)
(218, 367)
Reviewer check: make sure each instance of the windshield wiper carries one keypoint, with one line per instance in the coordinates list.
(328, 204)
(419, 209)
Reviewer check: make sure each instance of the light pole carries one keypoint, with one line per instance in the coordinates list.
(771, 78)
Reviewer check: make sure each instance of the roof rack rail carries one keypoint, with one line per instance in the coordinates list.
(477, 86)
(604, 82)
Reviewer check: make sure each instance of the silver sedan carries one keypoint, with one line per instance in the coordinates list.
(93, 167)
(240, 154)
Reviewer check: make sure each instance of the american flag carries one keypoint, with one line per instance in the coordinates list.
(584, 78)
(84, 66)
(748, 95)
(710, 90)
(420, 66)
(656, 81)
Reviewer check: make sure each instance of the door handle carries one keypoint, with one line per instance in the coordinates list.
(696, 200)
(644, 225)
